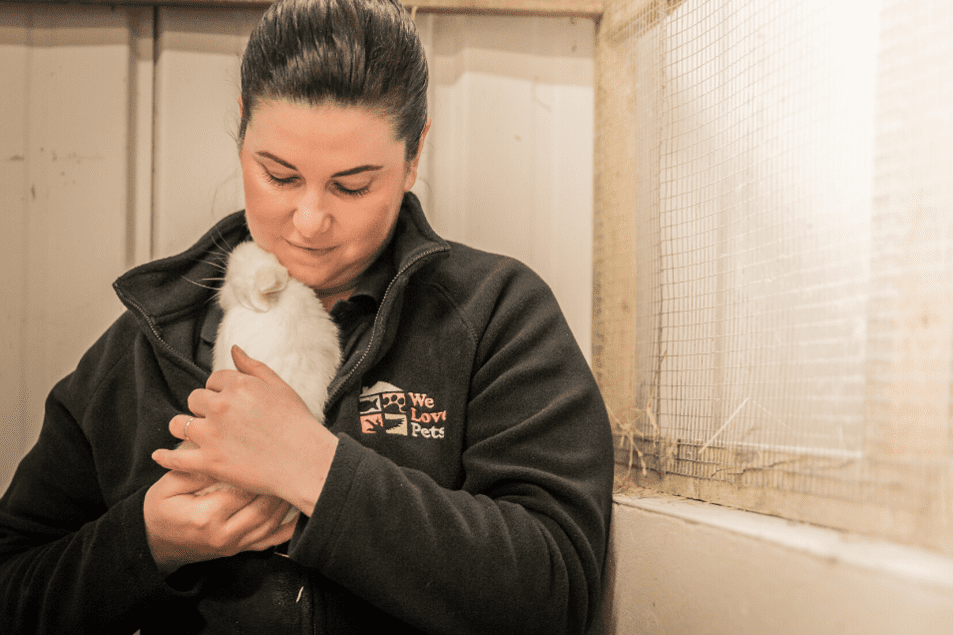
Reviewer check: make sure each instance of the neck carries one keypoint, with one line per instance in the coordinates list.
(336, 291)
(329, 296)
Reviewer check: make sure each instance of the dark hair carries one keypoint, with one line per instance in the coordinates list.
(364, 53)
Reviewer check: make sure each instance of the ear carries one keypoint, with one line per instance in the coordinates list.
(411, 176)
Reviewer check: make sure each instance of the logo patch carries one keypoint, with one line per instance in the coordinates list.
(387, 409)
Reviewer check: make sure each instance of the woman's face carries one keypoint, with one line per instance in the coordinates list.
(323, 185)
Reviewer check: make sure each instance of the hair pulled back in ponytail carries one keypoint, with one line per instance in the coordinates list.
(364, 53)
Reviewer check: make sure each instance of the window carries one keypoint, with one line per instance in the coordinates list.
(773, 322)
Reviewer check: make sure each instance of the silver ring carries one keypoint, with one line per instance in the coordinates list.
(185, 432)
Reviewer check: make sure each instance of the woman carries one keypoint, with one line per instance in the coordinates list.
(485, 510)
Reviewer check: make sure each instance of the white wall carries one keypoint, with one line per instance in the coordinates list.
(66, 196)
(683, 567)
(510, 156)
(116, 148)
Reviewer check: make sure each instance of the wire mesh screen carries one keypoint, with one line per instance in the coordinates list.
(775, 255)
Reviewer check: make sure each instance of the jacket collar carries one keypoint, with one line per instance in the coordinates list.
(414, 242)
(173, 289)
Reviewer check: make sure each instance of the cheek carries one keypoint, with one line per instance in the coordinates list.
(380, 222)
(367, 232)
(263, 210)
(256, 194)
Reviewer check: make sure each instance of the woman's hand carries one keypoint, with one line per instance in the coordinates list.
(183, 528)
(252, 430)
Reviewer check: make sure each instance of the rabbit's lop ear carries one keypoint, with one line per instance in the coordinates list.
(269, 282)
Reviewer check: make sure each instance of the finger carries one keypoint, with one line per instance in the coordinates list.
(253, 513)
(281, 535)
(257, 520)
(247, 365)
(180, 426)
(217, 382)
(200, 399)
(176, 483)
(228, 501)
(208, 510)
(184, 459)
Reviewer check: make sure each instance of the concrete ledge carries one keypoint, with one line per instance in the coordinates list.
(683, 566)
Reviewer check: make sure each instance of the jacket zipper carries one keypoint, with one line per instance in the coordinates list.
(155, 331)
(379, 318)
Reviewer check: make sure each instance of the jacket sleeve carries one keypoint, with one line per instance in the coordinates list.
(520, 547)
(70, 563)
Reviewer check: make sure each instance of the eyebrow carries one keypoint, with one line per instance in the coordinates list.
(352, 171)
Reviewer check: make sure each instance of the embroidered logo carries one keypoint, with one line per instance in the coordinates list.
(387, 409)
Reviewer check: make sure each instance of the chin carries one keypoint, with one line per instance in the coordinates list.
(304, 276)
(300, 271)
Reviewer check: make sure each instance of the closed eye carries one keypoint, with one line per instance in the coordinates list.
(280, 181)
(349, 192)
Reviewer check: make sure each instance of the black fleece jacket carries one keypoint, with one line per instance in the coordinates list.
(470, 492)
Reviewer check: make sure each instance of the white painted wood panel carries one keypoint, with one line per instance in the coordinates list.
(197, 177)
(14, 191)
(141, 116)
(64, 190)
(509, 158)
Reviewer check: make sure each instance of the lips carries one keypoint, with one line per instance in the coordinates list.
(316, 250)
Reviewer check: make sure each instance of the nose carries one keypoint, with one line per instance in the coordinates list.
(311, 218)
